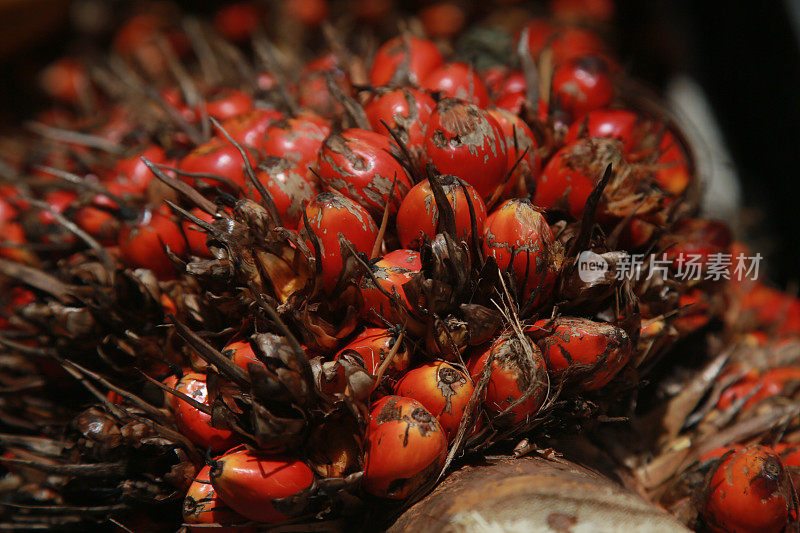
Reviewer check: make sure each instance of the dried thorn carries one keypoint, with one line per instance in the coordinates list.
(390, 357)
(74, 137)
(83, 470)
(376, 248)
(37, 279)
(80, 182)
(529, 69)
(266, 197)
(209, 354)
(187, 190)
(203, 175)
(407, 161)
(446, 221)
(584, 237)
(203, 408)
(264, 50)
(353, 109)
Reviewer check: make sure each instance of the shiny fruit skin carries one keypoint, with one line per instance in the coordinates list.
(359, 164)
(201, 505)
(248, 482)
(196, 238)
(619, 124)
(226, 102)
(298, 138)
(747, 493)
(521, 146)
(424, 58)
(249, 128)
(220, 158)
(418, 214)
(586, 352)
(403, 258)
(511, 376)
(242, 354)
(195, 424)
(291, 186)
(564, 185)
(406, 111)
(391, 278)
(132, 172)
(405, 448)
(330, 214)
(581, 85)
(442, 389)
(142, 244)
(467, 142)
(373, 345)
(460, 81)
(98, 223)
(516, 235)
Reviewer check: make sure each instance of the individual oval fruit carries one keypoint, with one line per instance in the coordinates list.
(517, 370)
(202, 506)
(248, 482)
(467, 142)
(226, 102)
(419, 214)
(196, 238)
(460, 81)
(420, 55)
(585, 352)
(242, 354)
(359, 164)
(406, 112)
(404, 258)
(405, 448)
(143, 244)
(748, 491)
(373, 345)
(442, 389)
(378, 307)
(249, 128)
(297, 138)
(517, 236)
(290, 185)
(217, 157)
(581, 85)
(195, 424)
(329, 215)
(523, 152)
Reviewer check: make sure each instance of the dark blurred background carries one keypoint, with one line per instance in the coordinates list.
(744, 55)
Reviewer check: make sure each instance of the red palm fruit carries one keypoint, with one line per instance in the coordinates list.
(717, 453)
(142, 244)
(8, 211)
(419, 215)
(249, 128)
(100, 224)
(697, 315)
(312, 88)
(202, 506)
(248, 482)
(441, 389)
(594, 11)
(748, 491)
(521, 146)
(237, 22)
(377, 305)
(581, 85)
(517, 236)
(65, 80)
(298, 138)
(220, 158)
(226, 102)
(771, 310)
(673, 174)
(508, 82)
(420, 55)
(755, 388)
(359, 164)
(406, 111)
(620, 124)
(587, 353)
(442, 19)
(133, 173)
(405, 448)
(696, 237)
(403, 258)
(291, 186)
(467, 142)
(460, 81)
(512, 102)
(14, 234)
(571, 174)
(242, 354)
(307, 12)
(373, 345)
(518, 369)
(195, 424)
(58, 201)
(564, 42)
(196, 238)
(329, 215)
(174, 98)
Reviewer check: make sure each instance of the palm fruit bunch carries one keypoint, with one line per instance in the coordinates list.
(277, 268)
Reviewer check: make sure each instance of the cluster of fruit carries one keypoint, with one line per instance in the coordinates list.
(335, 280)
